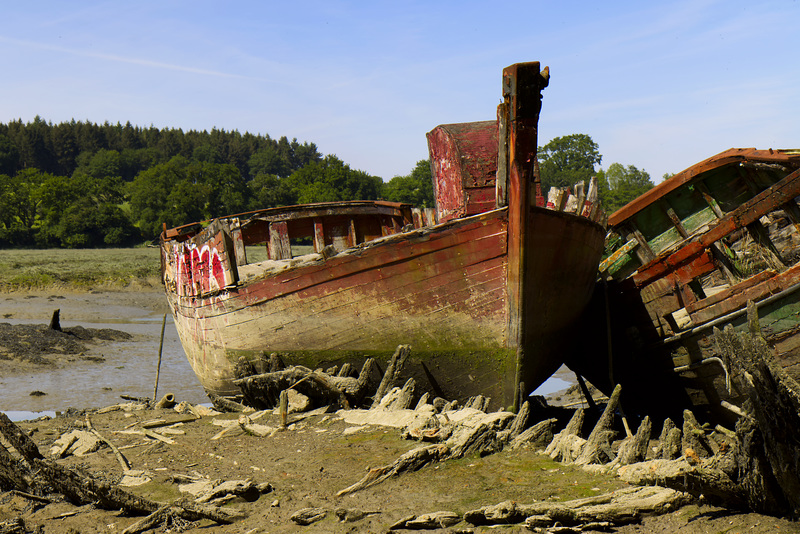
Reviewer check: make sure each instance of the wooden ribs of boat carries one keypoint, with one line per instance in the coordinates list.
(690, 253)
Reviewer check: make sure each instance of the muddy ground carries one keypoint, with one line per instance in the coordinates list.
(311, 461)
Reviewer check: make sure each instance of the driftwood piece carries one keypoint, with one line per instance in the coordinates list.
(400, 398)
(356, 388)
(392, 373)
(478, 402)
(620, 507)
(423, 401)
(435, 520)
(567, 444)
(597, 449)
(539, 435)
(479, 435)
(669, 441)
(155, 423)
(410, 461)
(32, 497)
(520, 422)
(68, 441)
(263, 391)
(345, 370)
(163, 515)
(14, 474)
(681, 475)
(246, 424)
(123, 461)
(19, 440)
(224, 404)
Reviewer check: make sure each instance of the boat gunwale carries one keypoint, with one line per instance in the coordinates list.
(291, 212)
(725, 158)
(317, 259)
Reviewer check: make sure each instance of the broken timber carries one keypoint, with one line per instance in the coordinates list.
(761, 470)
(39, 473)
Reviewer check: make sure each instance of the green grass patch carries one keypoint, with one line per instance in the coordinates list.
(79, 269)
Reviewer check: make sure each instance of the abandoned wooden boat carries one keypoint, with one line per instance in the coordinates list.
(484, 289)
(687, 256)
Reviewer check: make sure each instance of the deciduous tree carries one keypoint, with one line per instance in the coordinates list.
(565, 160)
(415, 188)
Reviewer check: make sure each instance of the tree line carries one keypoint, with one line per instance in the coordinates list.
(566, 160)
(80, 184)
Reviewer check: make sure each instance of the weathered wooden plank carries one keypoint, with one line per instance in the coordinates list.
(757, 292)
(748, 213)
(620, 255)
(279, 246)
(462, 156)
(501, 179)
(238, 241)
(319, 235)
(725, 294)
(732, 156)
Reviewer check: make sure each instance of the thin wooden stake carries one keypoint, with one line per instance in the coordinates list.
(160, 348)
(284, 406)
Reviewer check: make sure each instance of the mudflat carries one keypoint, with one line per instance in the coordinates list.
(305, 465)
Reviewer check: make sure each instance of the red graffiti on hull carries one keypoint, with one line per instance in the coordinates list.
(199, 270)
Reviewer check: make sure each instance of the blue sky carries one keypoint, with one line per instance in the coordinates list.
(658, 85)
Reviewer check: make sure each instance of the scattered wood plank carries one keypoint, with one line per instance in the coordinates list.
(410, 461)
(621, 507)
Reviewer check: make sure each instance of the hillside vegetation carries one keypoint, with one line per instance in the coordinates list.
(79, 185)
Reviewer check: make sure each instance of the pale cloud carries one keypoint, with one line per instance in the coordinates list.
(117, 58)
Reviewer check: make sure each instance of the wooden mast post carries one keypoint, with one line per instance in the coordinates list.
(522, 101)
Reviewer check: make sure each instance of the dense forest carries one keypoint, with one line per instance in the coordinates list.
(82, 185)
(79, 184)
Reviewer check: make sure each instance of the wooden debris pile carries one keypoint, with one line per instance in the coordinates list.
(25, 471)
(263, 382)
(757, 467)
(577, 200)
